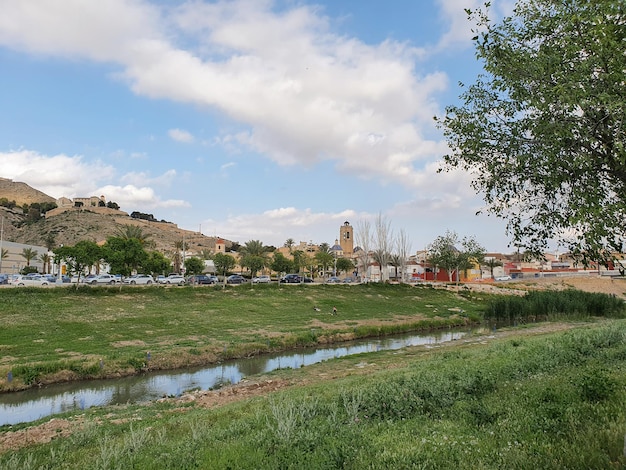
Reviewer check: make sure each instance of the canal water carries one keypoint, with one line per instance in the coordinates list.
(30, 405)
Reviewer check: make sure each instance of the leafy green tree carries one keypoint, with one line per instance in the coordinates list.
(281, 264)
(345, 265)
(543, 131)
(194, 265)
(124, 255)
(156, 263)
(223, 263)
(80, 256)
(289, 244)
(443, 253)
(29, 254)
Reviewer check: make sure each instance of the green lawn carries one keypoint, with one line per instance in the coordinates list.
(66, 333)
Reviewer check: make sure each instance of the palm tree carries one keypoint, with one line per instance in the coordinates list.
(3, 254)
(45, 259)
(50, 241)
(134, 231)
(29, 254)
(253, 255)
(492, 263)
(289, 243)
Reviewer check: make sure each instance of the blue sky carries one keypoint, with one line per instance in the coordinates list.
(247, 119)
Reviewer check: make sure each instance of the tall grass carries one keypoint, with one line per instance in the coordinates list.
(552, 305)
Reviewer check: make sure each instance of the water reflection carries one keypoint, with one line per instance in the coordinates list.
(30, 405)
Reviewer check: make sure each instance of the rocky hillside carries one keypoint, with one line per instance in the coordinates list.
(95, 224)
(21, 193)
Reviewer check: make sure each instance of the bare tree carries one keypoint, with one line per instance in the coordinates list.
(403, 248)
(363, 238)
(384, 244)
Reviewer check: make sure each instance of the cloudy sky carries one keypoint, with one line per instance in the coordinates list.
(247, 119)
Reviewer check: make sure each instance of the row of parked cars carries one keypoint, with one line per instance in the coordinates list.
(147, 279)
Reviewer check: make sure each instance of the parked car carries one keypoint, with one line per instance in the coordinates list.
(291, 279)
(333, 280)
(201, 279)
(101, 279)
(308, 280)
(4, 279)
(503, 278)
(348, 280)
(29, 280)
(139, 279)
(235, 279)
(263, 279)
(173, 279)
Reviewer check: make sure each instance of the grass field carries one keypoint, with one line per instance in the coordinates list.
(62, 334)
(530, 397)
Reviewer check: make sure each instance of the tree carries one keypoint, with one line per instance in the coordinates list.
(344, 265)
(324, 257)
(127, 232)
(194, 265)
(79, 257)
(492, 263)
(544, 131)
(45, 259)
(29, 254)
(289, 243)
(124, 255)
(363, 237)
(50, 241)
(384, 243)
(403, 248)
(280, 263)
(156, 263)
(253, 256)
(443, 253)
(223, 263)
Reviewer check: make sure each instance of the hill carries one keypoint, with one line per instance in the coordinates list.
(21, 193)
(94, 223)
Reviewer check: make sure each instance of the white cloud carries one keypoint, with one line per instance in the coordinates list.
(180, 135)
(58, 175)
(64, 176)
(132, 198)
(143, 178)
(303, 93)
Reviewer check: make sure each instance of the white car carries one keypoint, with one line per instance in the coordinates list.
(29, 280)
(139, 279)
(503, 278)
(173, 279)
(263, 279)
(101, 279)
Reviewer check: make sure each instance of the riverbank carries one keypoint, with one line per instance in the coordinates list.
(64, 334)
(530, 397)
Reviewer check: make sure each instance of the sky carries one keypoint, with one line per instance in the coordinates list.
(245, 119)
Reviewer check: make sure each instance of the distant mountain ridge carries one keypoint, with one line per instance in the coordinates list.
(95, 224)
